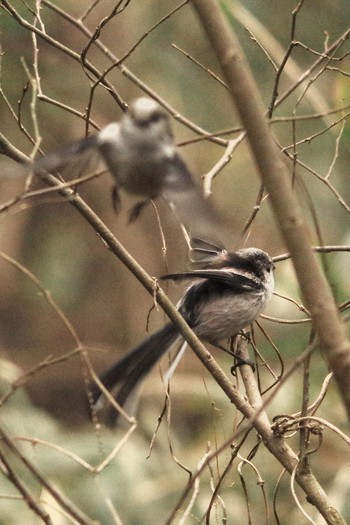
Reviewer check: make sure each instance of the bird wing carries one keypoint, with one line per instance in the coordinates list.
(194, 211)
(204, 253)
(70, 160)
(230, 278)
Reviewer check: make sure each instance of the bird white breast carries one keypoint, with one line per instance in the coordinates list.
(226, 316)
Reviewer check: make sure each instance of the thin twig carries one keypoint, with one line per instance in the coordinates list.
(61, 499)
(28, 497)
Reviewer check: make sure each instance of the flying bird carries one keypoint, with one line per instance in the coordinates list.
(143, 159)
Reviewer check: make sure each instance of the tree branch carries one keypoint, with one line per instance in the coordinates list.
(316, 292)
(276, 178)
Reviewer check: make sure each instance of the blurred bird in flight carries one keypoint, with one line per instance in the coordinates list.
(142, 157)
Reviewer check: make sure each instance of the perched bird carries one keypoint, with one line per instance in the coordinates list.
(141, 155)
(224, 298)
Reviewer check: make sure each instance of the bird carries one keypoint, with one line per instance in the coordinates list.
(141, 155)
(222, 299)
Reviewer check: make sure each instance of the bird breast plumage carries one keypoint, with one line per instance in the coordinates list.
(225, 317)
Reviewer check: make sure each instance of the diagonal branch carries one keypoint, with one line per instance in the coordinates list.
(276, 178)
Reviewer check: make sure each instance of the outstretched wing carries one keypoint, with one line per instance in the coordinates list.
(235, 281)
(194, 211)
(72, 159)
(204, 253)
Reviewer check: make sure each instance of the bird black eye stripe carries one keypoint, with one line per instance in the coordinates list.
(157, 116)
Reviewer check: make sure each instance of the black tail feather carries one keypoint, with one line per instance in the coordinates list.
(135, 365)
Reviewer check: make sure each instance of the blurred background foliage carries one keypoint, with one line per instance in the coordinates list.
(106, 305)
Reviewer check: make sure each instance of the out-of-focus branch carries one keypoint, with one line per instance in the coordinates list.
(23, 490)
(71, 509)
(316, 292)
(123, 69)
(315, 289)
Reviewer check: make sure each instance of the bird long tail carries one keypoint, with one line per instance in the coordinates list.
(135, 365)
